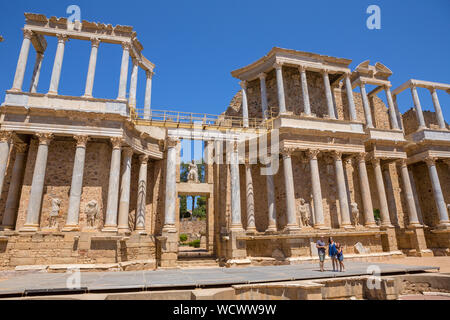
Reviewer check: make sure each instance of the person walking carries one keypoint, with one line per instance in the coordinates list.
(340, 257)
(320, 245)
(332, 253)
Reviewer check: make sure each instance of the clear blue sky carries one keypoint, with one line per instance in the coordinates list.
(196, 44)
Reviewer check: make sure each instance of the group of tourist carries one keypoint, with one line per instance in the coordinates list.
(335, 252)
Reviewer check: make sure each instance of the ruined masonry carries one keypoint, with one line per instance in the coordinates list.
(86, 180)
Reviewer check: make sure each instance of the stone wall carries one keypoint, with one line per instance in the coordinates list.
(411, 123)
(192, 226)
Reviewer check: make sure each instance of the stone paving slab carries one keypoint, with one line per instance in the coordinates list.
(154, 279)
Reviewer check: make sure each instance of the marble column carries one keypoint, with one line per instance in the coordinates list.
(244, 103)
(133, 83)
(124, 202)
(148, 95)
(76, 188)
(113, 188)
(57, 65)
(305, 93)
(437, 108)
(264, 105)
(366, 105)
(413, 220)
(437, 191)
(142, 193)
(236, 222)
(392, 112)
(22, 62)
(124, 71)
(171, 186)
(251, 227)
(319, 221)
(351, 101)
(91, 69)
(416, 197)
(384, 209)
(342, 190)
(12, 200)
(272, 210)
(397, 112)
(369, 220)
(292, 224)
(328, 95)
(36, 72)
(418, 107)
(5, 144)
(280, 88)
(37, 184)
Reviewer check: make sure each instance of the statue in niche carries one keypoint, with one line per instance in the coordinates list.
(91, 211)
(54, 213)
(193, 173)
(355, 213)
(305, 213)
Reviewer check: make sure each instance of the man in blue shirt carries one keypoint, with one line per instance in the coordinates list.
(321, 250)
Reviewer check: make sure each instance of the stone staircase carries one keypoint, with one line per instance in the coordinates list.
(196, 259)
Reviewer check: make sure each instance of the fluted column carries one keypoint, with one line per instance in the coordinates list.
(437, 109)
(244, 103)
(351, 101)
(12, 200)
(124, 71)
(22, 62)
(5, 144)
(251, 227)
(292, 224)
(148, 95)
(76, 187)
(415, 195)
(280, 88)
(418, 107)
(437, 191)
(319, 221)
(412, 211)
(328, 94)
(133, 83)
(36, 72)
(272, 210)
(305, 92)
(342, 190)
(369, 220)
(236, 222)
(37, 184)
(384, 209)
(392, 112)
(57, 65)
(113, 188)
(366, 105)
(124, 202)
(95, 42)
(142, 193)
(171, 185)
(264, 107)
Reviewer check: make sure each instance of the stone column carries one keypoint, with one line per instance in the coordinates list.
(328, 94)
(413, 220)
(36, 72)
(369, 220)
(316, 189)
(416, 197)
(113, 188)
(418, 107)
(305, 92)
(142, 193)
(148, 95)
(392, 112)
(57, 65)
(124, 71)
(280, 86)
(262, 83)
(342, 190)
(384, 209)
(22, 62)
(437, 191)
(12, 200)
(292, 224)
(251, 227)
(397, 112)
(351, 101)
(236, 222)
(124, 202)
(272, 210)
(95, 42)
(76, 189)
(437, 108)
(5, 144)
(244, 103)
(133, 83)
(37, 184)
(171, 186)
(366, 105)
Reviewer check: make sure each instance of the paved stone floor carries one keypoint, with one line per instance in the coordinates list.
(92, 282)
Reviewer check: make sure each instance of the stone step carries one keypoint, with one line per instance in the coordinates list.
(197, 262)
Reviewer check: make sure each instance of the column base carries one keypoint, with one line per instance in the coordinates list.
(15, 90)
(271, 229)
(321, 227)
(386, 225)
(348, 227)
(89, 96)
(443, 225)
(121, 99)
(286, 113)
(123, 229)
(68, 228)
(52, 93)
(169, 228)
(109, 229)
(293, 228)
(7, 228)
(236, 228)
(29, 228)
(251, 230)
(372, 225)
(414, 225)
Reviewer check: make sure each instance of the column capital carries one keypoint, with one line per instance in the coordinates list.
(95, 42)
(348, 73)
(143, 159)
(432, 89)
(27, 34)
(361, 157)
(375, 161)
(171, 142)
(149, 74)
(126, 45)
(62, 38)
(430, 161)
(402, 163)
(262, 76)
(278, 65)
(6, 136)
(287, 152)
(387, 86)
(136, 61)
(312, 153)
(301, 68)
(243, 84)
(81, 140)
(20, 147)
(337, 155)
(324, 71)
(117, 142)
(362, 83)
(44, 137)
(127, 151)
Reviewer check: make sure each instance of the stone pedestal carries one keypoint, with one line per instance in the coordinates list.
(167, 249)
(389, 240)
(419, 243)
(236, 249)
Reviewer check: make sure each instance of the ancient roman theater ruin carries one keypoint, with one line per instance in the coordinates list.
(86, 180)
